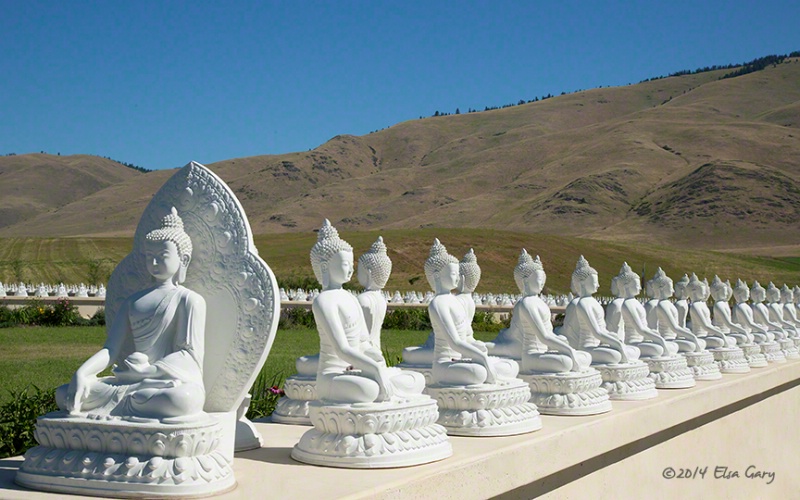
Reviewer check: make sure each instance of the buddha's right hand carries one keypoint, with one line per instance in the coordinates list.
(385, 388)
(491, 374)
(78, 391)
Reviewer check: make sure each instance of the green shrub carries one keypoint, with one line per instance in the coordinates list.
(265, 393)
(18, 419)
(487, 322)
(407, 319)
(296, 317)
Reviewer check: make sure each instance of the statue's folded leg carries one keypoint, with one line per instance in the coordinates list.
(458, 373)
(506, 368)
(604, 355)
(407, 382)
(183, 400)
(548, 362)
(651, 349)
(347, 389)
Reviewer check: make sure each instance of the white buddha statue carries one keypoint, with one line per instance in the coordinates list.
(761, 315)
(462, 370)
(560, 378)
(21, 291)
(775, 307)
(667, 369)
(354, 385)
(650, 305)
(161, 377)
(789, 310)
(727, 354)
(374, 269)
(722, 318)
(681, 302)
(61, 291)
(624, 375)
(743, 315)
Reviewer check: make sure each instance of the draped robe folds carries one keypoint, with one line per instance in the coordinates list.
(172, 339)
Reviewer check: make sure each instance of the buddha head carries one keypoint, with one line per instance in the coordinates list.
(662, 285)
(719, 291)
(470, 273)
(441, 269)
(696, 289)
(628, 282)
(374, 266)
(168, 250)
(773, 294)
(796, 291)
(707, 289)
(331, 258)
(757, 293)
(584, 279)
(680, 288)
(741, 293)
(649, 290)
(529, 274)
(787, 296)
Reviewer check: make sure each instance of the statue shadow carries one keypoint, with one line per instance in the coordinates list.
(8, 470)
(271, 455)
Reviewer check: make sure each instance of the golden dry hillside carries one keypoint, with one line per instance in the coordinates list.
(34, 184)
(691, 160)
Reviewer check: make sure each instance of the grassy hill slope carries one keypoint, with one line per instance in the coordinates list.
(689, 161)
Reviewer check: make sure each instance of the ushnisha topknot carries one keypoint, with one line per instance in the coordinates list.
(377, 261)
(660, 280)
(683, 282)
(526, 267)
(172, 230)
(328, 243)
(437, 259)
(626, 275)
(582, 271)
(470, 270)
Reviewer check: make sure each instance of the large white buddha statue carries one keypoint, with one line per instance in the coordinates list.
(761, 315)
(722, 318)
(775, 307)
(465, 377)
(667, 369)
(374, 269)
(624, 375)
(560, 378)
(192, 313)
(354, 385)
(743, 315)
(727, 354)
(161, 377)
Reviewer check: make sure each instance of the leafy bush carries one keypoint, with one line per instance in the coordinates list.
(296, 317)
(265, 393)
(407, 319)
(18, 419)
(487, 322)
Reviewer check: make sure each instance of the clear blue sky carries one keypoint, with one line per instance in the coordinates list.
(159, 83)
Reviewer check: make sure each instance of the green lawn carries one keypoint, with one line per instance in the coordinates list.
(47, 357)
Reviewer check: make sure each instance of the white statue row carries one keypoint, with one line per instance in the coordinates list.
(185, 347)
(45, 290)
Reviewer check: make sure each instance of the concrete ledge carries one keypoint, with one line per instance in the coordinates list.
(569, 452)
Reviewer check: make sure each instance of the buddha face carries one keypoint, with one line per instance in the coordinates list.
(535, 282)
(449, 276)
(757, 295)
(633, 287)
(340, 267)
(163, 261)
(741, 294)
(364, 276)
(696, 292)
(719, 293)
(589, 285)
(773, 295)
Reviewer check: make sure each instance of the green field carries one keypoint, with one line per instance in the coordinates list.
(47, 357)
(70, 259)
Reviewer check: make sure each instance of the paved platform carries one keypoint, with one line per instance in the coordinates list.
(625, 453)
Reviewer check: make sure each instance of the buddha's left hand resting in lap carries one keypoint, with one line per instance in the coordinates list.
(156, 340)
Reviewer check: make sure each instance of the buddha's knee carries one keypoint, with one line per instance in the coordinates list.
(459, 373)
(685, 345)
(307, 365)
(672, 348)
(407, 381)
(632, 352)
(547, 362)
(350, 389)
(605, 355)
(418, 355)
(650, 349)
(185, 399)
(505, 368)
(61, 396)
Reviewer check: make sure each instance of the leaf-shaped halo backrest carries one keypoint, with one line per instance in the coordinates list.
(240, 291)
